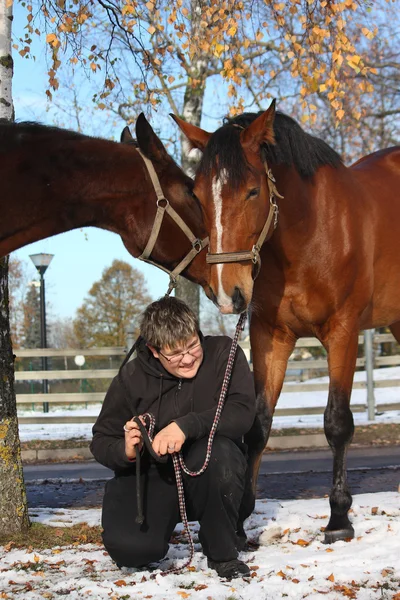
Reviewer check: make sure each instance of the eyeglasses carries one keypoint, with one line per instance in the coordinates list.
(176, 358)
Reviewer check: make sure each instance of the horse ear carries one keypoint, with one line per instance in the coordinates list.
(261, 130)
(126, 136)
(198, 138)
(149, 143)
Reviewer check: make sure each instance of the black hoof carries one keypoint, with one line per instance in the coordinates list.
(339, 534)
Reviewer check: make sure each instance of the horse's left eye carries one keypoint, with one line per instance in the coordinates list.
(253, 192)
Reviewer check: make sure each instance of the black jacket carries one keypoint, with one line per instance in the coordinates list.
(191, 403)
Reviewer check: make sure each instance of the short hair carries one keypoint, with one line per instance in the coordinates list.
(168, 322)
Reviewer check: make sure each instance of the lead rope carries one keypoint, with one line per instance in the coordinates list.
(177, 457)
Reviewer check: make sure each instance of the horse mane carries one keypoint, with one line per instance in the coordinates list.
(293, 146)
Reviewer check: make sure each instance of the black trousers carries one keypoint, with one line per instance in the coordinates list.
(212, 498)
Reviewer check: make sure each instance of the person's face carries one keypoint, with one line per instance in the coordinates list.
(183, 360)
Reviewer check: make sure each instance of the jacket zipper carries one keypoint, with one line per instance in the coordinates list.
(176, 397)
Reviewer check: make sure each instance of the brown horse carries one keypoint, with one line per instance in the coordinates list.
(54, 180)
(331, 267)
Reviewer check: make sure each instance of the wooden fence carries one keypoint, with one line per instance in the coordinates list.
(309, 365)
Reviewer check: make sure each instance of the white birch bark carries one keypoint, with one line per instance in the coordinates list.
(191, 112)
(6, 63)
(13, 504)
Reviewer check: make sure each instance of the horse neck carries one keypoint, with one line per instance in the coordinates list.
(305, 208)
(89, 183)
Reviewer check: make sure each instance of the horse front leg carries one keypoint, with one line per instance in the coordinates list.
(271, 347)
(342, 346)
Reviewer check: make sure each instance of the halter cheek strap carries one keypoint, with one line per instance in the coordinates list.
(163, 206)
(266, 233)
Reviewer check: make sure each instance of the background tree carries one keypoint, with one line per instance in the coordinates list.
(31, 324)
(114, 303)
(17, 290)
(13, 505)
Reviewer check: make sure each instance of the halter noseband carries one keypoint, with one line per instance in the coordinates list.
(254, 253)
(163, 206)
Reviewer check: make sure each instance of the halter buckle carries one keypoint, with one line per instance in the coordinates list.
(275, 208)
(160, 200)
(256, 254)
(197, 245)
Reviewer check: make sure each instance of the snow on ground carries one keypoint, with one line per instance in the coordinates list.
(286, 400)
(292, 561)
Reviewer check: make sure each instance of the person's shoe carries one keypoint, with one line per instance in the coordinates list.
(230, 569)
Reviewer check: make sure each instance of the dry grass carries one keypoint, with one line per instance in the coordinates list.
(40, 537)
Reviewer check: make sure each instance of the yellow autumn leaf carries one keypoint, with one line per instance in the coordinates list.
(50, 38)
(171, 79)
(331, 577)
(183, 594)
(151, 29)
(340, 114)
(150, 6)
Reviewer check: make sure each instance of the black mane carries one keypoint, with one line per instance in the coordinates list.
(293, 146)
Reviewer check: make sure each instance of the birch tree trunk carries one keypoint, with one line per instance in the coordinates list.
(13, 504)
(191, 112)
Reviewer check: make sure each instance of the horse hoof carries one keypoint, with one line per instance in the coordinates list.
(339, 534)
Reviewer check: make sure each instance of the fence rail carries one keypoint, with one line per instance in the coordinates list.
(97, 397)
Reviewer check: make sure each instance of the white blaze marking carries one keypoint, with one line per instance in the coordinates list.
(222, 297)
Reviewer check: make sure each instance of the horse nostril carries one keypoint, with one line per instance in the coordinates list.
(238, 300)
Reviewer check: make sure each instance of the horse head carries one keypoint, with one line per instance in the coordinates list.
(170, 244)
(235, 194)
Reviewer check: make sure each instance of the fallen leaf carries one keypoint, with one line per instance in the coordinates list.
(331, 577)
(301, 542)
(374, 510)
(36, 558)
(329, 550)
(8, 546)
(192, 569)
(183, 594)
(346, 591)
(281, 574)
(120, 582)
(254, 568)
(311, 578)
(295, 580)
(201, 586)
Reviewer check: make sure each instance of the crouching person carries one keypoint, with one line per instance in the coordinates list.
(176, 376)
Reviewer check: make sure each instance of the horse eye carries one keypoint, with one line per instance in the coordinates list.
(253, 192)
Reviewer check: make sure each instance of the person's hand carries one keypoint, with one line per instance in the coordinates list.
(133, 437)
(169, 440)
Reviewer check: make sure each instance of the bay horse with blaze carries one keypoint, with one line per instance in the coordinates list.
(330, 269)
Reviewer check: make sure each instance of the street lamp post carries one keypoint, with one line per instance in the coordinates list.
(41, 262)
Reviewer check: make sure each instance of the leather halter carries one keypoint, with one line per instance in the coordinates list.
(163, 206)
(254, 253)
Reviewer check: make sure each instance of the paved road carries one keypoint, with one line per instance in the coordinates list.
(283, 475)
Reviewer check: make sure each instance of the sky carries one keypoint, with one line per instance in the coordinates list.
(81, 255)
(291, 561)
